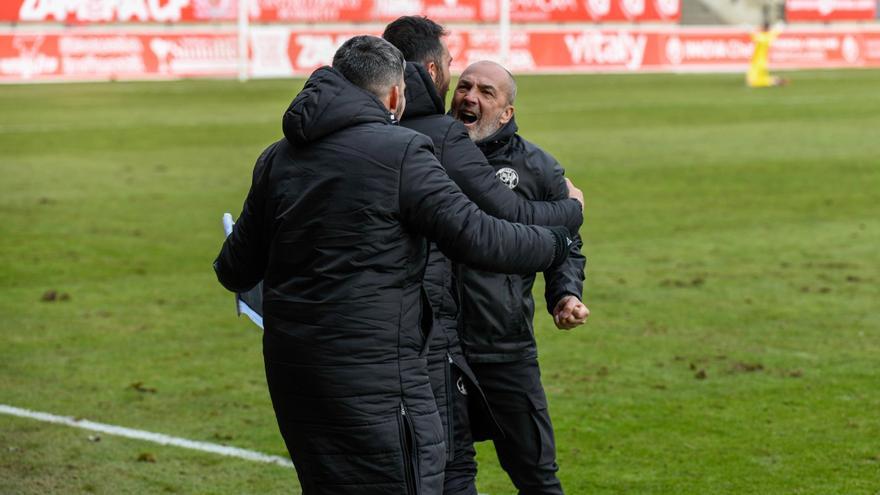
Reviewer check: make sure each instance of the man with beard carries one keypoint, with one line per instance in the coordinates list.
(336, 222)
(423, 44)
(496, 328)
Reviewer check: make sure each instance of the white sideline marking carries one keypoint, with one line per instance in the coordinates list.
(159, 438)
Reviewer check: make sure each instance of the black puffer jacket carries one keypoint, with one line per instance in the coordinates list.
(467, 166)
(335, 224)
(497, 310)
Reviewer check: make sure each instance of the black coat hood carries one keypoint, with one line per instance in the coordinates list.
(328, 103)
(421, 94)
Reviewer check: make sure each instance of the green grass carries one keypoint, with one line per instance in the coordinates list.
(731, 234)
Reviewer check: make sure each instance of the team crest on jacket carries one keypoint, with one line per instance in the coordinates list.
(508, 177)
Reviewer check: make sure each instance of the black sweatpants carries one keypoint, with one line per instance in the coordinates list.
(528, 451)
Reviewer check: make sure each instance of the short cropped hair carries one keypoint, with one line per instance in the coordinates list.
(370, 63)
(417, 37)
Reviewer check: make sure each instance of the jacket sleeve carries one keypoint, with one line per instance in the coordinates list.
(568, 277)
(467, 166)
(243, 257)
(433, 206)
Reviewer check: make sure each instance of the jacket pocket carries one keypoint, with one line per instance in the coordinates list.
(408, 450)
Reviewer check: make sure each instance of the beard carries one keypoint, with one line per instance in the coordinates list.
(485, 127)
(442, 86)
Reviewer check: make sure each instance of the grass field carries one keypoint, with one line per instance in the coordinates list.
(733, 244)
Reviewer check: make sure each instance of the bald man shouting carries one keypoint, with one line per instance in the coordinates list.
(496, 328)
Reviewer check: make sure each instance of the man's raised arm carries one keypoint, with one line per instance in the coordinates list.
(467, 166)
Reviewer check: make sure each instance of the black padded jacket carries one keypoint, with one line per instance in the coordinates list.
(336, 224)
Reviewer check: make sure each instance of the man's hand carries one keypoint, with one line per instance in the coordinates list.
(569, 313)
(574, 192)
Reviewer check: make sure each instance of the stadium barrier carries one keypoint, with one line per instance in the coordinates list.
(337, 11)
(276, 51)
(830, 10)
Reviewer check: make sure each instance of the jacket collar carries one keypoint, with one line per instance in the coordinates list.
(499, 139)
(421, 94)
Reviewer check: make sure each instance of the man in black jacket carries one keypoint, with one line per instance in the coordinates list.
(497, 310)
(335, 223)
(427, 81)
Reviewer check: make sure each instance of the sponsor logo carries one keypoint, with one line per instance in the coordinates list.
(450, 9)
(597, 48)
(304, 10)
(29, 62)
(102, 10)
(598, 8)
(706, 50)
(673, 50)
(317, 49)
(94, 55)
(459, 384)
(508, 177)
(215, 9)
(633, 8)
(545, 6)
(850, 49)
(667, 8)
(828, 7)
(195, 55)
(396, 8)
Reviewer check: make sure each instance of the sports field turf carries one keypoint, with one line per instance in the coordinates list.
(733, 245)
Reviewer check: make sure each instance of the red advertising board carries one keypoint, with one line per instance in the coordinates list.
(277, 51)
(524, 11)
(830, 10)
(330, 11)
(122, 55)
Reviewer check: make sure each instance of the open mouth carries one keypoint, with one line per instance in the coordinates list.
(467, 118)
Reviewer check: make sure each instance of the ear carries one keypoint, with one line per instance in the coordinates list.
(507, 114)
(393, 98)
(432, 70)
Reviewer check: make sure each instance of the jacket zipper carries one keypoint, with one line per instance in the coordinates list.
(407, 438)
(450, 408)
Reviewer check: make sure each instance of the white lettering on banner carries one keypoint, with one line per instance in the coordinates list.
(598, 8)
(633, 8)
(102, 10)
(621, 48)
(825, 7)
(195, 54)
(545, 6)
(395, 8)
(518, 59)
(99, 45)
(91, 64)
(29, 62)
(707, 50)
(308, 10)
(807, 43)
(451, 11)
(318, 49)
(872, 48)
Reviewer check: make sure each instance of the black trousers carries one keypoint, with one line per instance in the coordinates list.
(528, 450)
(461, 464)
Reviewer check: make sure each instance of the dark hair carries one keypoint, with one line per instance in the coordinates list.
(370, 63)
(417, 37)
